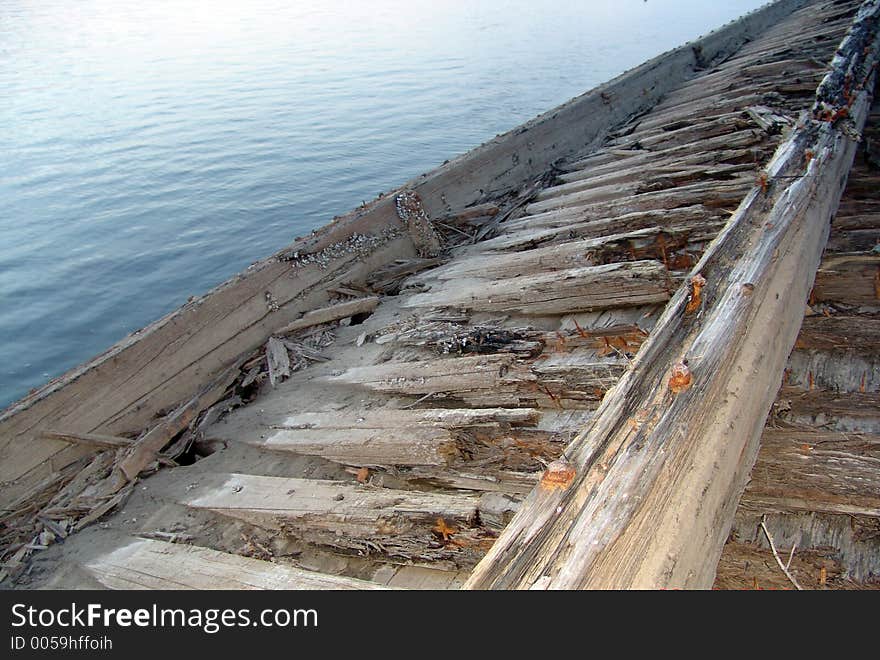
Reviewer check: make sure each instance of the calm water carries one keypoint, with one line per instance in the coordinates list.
(149, 150)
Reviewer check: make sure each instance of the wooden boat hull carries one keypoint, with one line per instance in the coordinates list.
(144, 392)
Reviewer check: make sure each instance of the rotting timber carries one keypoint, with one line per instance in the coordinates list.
(547, 364)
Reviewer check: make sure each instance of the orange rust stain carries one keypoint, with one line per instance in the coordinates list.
(697, 282)
(681, 377)
(559, 475)
(443, 529)
(763, 182)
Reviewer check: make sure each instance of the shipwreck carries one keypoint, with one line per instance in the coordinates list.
(632, 343)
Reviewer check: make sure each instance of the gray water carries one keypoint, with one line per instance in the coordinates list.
(150, 149)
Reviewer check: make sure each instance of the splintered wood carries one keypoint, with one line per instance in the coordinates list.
(146, 564)
(560, 292)
(494, 380)
(351, 517)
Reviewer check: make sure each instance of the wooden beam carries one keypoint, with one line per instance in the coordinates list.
(649, 496)
(145, 449)
(349, 516)
(565, 291)
(826, 333)
(561, 381)
(88, 439)
(853, 278)
(803, 470)
(148, 564)
(331, 313)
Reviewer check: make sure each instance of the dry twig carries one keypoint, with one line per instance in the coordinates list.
(778, 560)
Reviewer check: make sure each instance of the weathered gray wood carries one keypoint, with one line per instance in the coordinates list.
(487, 380)
(840, 333)
(148, 564)
(388, 279)
(144, 450)
(277, 360)
(683, 167)
(420, 444)
(713, 194)
(89, 439)
(699, 222)
(850, 411)
(658, 472)
(854, 278)
(349, 516)
(653, 243)
(835, 371)
(811, 470)
(331, 313)
(561, 292)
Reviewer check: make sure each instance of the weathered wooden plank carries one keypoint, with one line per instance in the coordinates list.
(851, 278)
(148, 564)
(632, 514)
(803, 470)
(474, 449)
(748, 566)
(836, 371)
(707, 193)
(331, 313)
(649, 243)
(277, 361)
(350, 516)
(145, 449)
(493, 379)
(562, 292)
(638, 164)
(388, 279)
(699, 222)
(850, 411)
(89, 439)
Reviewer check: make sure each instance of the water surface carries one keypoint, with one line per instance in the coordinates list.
(150, 150)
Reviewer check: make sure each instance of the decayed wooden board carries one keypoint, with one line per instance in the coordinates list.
(486, 380)
(840, 333)
(613, 165)
(565, 291)
(854, 278)
(850, 411)
(397, 437)
(332, 313)
(579, 206)
(352, 517)
(148, 564)
(651, 243)
(852, 542)
(835, 371)
(89, 439)
(745, 566)
(822, 471)
(654, 482)
(700, 221)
